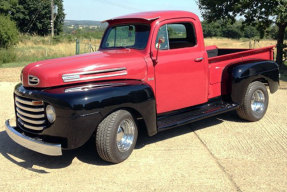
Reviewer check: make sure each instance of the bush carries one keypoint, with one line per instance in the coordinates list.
(250, 32)
(7, 56)
(9, 34)
(232, 31)
(213, 29)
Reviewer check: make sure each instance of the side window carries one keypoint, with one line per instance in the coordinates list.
(178, 35)
(176, 31)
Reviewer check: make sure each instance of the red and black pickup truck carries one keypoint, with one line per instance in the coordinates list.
(151, 72)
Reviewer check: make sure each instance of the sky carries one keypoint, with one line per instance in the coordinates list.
(99, 10)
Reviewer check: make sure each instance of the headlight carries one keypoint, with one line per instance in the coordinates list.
(51, 114)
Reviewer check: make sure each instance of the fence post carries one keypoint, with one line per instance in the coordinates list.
(77, 46)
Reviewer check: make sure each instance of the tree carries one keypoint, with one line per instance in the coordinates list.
(261, 13)
(33, 16)
(213, 29)
(250, 32)
(7, 7)
(232, 31)
(8, 32)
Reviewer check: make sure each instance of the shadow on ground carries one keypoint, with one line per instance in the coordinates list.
(28, 159)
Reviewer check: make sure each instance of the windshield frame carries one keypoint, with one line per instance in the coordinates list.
(110, 27)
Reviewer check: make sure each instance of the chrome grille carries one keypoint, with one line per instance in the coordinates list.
(30, 113)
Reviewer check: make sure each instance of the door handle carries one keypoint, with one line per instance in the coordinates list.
(198, 59)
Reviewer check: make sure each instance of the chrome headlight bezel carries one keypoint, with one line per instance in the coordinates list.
(50, 113)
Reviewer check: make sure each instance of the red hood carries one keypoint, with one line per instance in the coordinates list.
(98, 66)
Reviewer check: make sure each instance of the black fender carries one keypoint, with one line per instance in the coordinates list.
(245, 73)
(81, 107)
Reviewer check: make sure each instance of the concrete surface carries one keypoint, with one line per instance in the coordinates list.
(222, 153)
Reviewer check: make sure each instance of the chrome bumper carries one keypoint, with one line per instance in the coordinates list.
(30, 143)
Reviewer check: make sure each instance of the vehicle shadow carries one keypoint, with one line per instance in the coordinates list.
(144, 139)
(28, 159)
(31, 160)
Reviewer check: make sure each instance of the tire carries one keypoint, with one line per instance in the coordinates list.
(116, 136)
(255, 102)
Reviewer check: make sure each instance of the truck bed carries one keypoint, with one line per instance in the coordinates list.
(218, 59)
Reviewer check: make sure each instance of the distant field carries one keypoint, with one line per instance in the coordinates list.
(40, 48)
(242, 43)
(34, 48)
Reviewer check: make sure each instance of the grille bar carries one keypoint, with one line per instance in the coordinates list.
(33, 103)
(29, 108)
(29, 115)
(39, 122)
(38, 128)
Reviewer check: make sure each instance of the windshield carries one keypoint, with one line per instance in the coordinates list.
(133, 36)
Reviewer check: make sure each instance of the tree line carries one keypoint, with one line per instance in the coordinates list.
(237, 30)
(28, 17)
(262, 14)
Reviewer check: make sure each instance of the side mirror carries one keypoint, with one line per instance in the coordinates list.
(160, 41)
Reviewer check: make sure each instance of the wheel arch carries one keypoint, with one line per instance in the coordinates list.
(143, 126)
(135, 97)
(243, 74)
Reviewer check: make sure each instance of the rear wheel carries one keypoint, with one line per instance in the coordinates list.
(116, 136)
(255, 102)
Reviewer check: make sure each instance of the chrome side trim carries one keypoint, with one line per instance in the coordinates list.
(28, 108)
(76, 76)
(96, 72)
(33, 144)
(89, 87)
(29, 115)
(39, 122)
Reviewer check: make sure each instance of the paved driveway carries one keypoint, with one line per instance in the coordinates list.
(222, 153)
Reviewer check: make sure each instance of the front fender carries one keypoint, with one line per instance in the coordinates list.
(81, 107)
(244, 74)
(87, 100)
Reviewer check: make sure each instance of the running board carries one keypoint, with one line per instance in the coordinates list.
(194, 114)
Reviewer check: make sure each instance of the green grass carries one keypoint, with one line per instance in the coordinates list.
(15, 64)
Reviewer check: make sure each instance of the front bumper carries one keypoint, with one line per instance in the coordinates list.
(33, 144)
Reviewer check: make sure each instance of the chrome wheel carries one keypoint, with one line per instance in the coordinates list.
(258, 101)
(125, 135)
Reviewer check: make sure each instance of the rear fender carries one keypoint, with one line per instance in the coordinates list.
(244, 74)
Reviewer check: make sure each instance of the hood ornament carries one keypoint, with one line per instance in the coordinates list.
(33, 80)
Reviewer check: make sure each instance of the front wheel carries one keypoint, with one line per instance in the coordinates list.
(116, 136)
(255, 102)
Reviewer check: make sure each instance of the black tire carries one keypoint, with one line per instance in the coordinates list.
(106, 136)
(247, 109)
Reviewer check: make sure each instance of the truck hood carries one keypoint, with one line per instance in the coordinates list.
(97, 66)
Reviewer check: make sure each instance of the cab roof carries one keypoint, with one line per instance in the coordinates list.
(154, 15)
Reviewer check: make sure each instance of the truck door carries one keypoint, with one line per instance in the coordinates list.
(181, 69)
